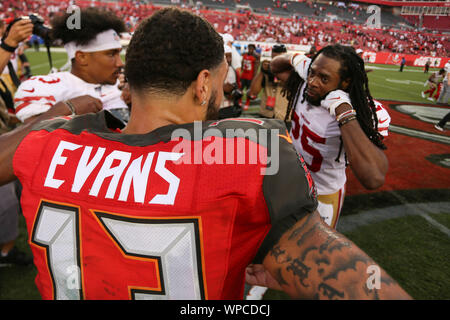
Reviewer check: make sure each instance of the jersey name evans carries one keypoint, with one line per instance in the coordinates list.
(136, 175)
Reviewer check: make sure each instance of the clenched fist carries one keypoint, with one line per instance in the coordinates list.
(86, 104)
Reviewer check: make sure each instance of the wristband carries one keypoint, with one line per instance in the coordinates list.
(5, 47)
(345, 120)
(351, 112)
(70, 105)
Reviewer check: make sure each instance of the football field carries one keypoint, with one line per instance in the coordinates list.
(404, 226)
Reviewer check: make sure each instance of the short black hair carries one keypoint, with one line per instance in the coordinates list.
(169, 49)
(93, 21)
(279, 48)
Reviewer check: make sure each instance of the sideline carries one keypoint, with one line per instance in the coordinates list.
(354, 221)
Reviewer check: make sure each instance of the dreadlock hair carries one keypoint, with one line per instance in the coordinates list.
(352, 67)
(291, 90)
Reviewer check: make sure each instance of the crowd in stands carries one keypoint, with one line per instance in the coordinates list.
(251, 26)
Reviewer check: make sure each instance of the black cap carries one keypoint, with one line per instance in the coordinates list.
(279, 48)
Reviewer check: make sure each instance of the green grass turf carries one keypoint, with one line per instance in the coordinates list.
(387, 83)
(39, 60)
(412, 251)
(17, 283)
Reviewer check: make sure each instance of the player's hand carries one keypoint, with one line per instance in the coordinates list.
(19, 32)
(281, 64)
(257, 275)
(122, 81)
(86, 104)
(334, 99)
(126, 94)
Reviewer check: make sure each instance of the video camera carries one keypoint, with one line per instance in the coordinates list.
(39, 28)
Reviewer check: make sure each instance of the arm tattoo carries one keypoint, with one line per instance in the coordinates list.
(300, 270)
(329, 240)
(300, 229)
(280, 255)
(307, 251)
(344, 265)
(329, 291)
(279, 277)
(340, 245)
(323, 263)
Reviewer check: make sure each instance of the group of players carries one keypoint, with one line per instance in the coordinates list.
(106, 202)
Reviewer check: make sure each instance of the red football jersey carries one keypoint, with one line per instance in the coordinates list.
(115, 216)
(248, 66)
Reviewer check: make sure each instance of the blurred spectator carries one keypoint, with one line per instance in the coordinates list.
(251, 27)
(273, 103)
(250, 65)
(10, 193)
(230, 106)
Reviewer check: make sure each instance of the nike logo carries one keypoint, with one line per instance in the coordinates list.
(30, 91)
(335, 98)
(381, 121)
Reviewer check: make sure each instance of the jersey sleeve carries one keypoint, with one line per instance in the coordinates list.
(28, 153)
(384, 119)
(290, 194)
(36, 95)
(287, 191)
(301, 64)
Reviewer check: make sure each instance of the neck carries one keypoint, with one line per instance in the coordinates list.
(152, 112)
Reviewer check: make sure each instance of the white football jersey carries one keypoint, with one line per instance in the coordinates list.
(39, 93)
(317, 137)
(14, 59)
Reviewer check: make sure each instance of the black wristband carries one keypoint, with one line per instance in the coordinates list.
(5, 47)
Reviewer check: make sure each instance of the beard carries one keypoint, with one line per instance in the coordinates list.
(313, 101)
(212, 111)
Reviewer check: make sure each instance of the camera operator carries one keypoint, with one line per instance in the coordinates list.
(230, 106)
(19, 32)
(9, 62)
(273, 104)
(9, 205)
(92, 83)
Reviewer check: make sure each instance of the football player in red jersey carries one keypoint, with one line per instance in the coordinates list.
(250, 65)
(123, 214)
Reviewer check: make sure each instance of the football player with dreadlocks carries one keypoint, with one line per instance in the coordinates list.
(335, 122)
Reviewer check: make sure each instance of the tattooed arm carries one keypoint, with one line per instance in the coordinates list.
(313, 261)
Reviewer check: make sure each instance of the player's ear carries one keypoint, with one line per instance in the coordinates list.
(201, 88)
(81, 58)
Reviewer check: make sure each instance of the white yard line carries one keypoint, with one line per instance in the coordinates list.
(37, 66)
(420, 134)
(352, 222)
(436, 224)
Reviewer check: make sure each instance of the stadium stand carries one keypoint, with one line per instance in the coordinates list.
(296, 22)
